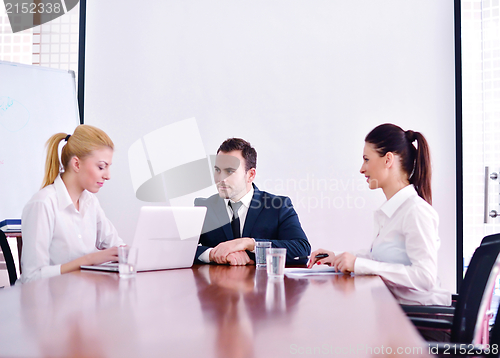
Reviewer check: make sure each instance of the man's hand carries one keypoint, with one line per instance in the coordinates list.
(238, 258)
(220, 252)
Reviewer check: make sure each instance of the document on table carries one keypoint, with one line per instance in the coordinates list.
(316, 270)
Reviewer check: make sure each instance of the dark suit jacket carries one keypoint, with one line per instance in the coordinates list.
(269, 218)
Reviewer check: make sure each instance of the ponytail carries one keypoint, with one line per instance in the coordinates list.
(52, 165)
(422, 171)
(415, 162)
(81, 143)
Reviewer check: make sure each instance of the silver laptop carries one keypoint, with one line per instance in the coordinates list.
(166, 237)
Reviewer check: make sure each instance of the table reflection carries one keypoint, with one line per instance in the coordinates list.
(237, 299)
(204, 311)
(62, 315)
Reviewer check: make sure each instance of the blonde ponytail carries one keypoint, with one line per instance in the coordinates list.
(80, 144)
(52, 165)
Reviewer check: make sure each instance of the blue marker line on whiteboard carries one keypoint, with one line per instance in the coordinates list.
(14, 116)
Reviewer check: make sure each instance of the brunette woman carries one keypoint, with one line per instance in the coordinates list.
(404, 250)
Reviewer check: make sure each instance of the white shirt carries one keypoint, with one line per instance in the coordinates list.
(243, 210)
(54, 232)
(246, 200)
(404, 251)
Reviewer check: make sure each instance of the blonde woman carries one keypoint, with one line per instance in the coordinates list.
(63, 224)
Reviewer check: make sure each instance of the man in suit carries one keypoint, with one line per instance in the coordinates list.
(240, 214)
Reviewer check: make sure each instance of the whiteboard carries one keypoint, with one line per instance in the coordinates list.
(35, 102)
(303, 80)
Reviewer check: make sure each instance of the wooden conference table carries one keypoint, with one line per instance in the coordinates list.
(205, 311)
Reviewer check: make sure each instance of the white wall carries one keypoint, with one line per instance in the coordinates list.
(304, 81)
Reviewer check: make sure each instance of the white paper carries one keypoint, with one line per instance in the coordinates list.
(316, 270)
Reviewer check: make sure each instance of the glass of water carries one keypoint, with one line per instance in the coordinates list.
(275, 262)
(127, 261)
(260, 253)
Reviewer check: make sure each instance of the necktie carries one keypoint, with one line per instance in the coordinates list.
(235, 222)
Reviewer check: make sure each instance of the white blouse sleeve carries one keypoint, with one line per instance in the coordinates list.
(364, 253)
(37, 230)
(107, 236)
(420, 229)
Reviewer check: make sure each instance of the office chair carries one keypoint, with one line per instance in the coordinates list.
(469, 322)
(445, 312)
(490, 239)
(460, 349)
(9, 260)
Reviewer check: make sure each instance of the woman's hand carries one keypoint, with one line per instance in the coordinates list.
(101, 256)
(344, 262)
(324, 261)
(94, 258)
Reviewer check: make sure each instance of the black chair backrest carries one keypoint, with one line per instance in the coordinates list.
(490, 239)
(476, 281)
(9, 260)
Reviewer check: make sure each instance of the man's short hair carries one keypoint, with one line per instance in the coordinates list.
(247, 151)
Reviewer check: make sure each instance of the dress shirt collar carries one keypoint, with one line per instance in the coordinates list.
(393, 204)
(246, 200)
(63, 197)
